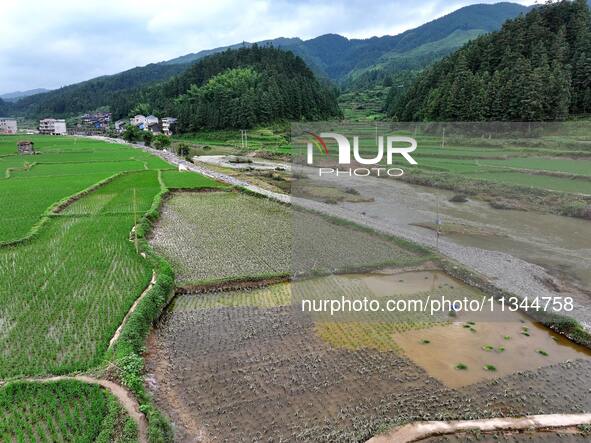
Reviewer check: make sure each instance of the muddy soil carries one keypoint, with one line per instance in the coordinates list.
(508, 346)
(262, 374)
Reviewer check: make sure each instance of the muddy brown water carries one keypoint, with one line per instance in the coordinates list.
(509, 341)
(485, 344)
(560, 244)
(393, 282)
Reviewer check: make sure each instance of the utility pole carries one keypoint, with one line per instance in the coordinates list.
(243, 139)
(376, 133)
(437, 226)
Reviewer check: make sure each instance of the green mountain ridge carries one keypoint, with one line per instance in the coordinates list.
(537, 67)
(331, 56)
(17, 95)
(393, 63)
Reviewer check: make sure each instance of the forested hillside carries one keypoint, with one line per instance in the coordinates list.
(5, 108)
(91, 94)
(537, 67)
(238, 89)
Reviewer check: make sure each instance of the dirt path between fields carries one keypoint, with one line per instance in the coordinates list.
(126, 399)
(420, 430)
(133, 308)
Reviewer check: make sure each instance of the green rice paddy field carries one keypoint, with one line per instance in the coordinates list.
(69, 276)
(559, 159)
(63, 411)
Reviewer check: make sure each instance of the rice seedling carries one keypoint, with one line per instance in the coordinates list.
(253, 237)
(542, 352)
(461, 366)
(490, 368)
(60, 411)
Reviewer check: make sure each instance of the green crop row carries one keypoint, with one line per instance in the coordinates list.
(222, 235)
(68, 411)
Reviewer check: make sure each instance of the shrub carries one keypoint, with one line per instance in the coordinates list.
(147, 137)
(161, 141)
(132, 134)
(459, 198)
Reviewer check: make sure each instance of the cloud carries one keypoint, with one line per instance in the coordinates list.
(59, 43)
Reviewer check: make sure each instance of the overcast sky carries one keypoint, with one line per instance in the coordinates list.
(48, 44)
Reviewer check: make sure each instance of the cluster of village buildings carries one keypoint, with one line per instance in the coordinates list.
(8, 126)
(150, 123)
(95, 123)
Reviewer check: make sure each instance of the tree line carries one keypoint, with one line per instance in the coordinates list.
(537, 67)
(237, 88)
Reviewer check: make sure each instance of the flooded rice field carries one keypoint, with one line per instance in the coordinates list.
(248, 365)
(461, 354)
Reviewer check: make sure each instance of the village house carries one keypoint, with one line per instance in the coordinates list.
(168, 124)
(150, 120)
(98, 120)
(120, 125)
(8, 125)
(155, 128)
(52, 126)
(25, 147)
(139, 121)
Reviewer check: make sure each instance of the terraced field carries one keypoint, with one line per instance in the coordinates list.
(30, 185)
(279, 372)
(473, 157)
(210, 142)
(69, 276)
